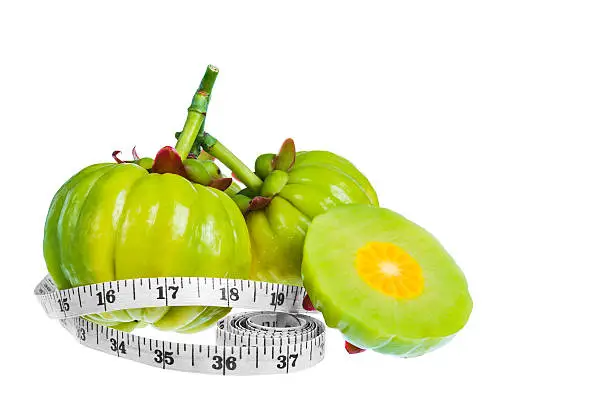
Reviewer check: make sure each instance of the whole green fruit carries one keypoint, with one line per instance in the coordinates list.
(117, 221)
(297, 188)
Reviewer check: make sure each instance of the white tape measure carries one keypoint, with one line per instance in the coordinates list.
(275, 339)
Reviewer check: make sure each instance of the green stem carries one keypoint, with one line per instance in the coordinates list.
(207, 85)
(225, 156)
(196, 113)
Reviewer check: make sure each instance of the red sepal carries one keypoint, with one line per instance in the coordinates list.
(115, 155)
(221, 183)
(168, 160)
(352, 349)
(285, 159)
(259, 203)
(307, 304)
(134, 154)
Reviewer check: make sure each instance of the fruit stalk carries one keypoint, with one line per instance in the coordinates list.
(225, 156)
(196, 116)
(193, 137)
(206, 85)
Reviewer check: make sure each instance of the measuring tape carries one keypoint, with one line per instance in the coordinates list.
(278, 338)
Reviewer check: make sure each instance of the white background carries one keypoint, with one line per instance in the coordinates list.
(485, 122)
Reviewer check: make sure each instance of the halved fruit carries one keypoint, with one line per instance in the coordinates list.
(385, 282)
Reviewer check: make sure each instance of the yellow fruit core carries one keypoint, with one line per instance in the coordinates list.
(389, 269)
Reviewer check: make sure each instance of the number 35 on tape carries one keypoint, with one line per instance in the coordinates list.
(278, 338)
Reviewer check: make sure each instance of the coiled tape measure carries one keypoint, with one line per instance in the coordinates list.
(277, 338)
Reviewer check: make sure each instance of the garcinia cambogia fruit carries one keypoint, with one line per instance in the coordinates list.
(384, 281)
(286, 191)
(149, 218)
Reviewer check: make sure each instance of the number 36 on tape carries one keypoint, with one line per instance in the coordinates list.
(278, 338)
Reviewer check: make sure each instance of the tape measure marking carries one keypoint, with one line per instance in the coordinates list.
(156, 292)
(275, 339)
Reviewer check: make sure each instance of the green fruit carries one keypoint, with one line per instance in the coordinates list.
(385, 282)
(301, 186)
(117, 221)
(201, 171)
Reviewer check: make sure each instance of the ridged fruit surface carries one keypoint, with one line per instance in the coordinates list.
(317, 182)
(385, 282)
(117, 221)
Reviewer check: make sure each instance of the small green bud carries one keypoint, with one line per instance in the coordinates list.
(145, 162)
(263, 165)
(201, 171)
(274, 183)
